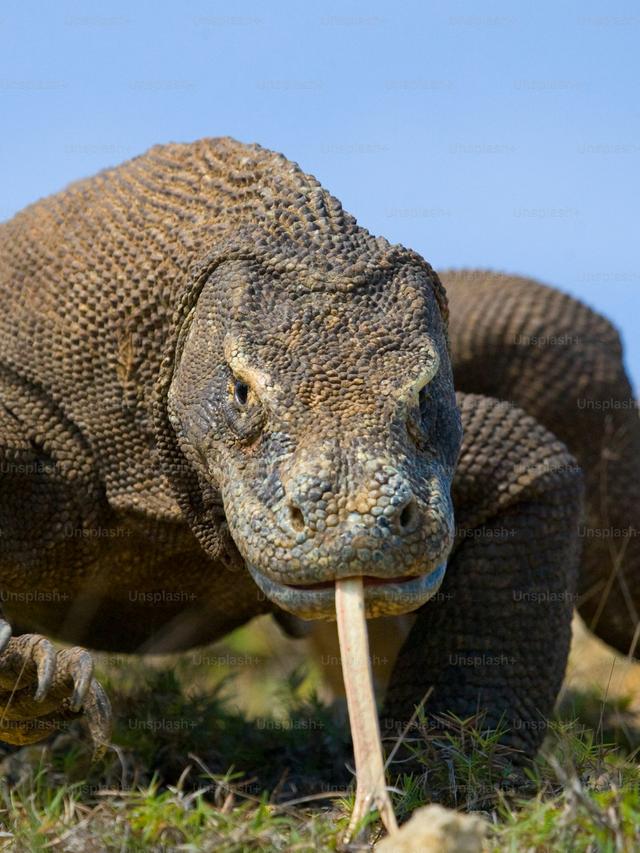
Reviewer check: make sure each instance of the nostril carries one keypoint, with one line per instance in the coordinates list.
(296, 518)
(407, 516)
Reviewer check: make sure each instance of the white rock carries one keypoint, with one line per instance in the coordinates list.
(434, 829)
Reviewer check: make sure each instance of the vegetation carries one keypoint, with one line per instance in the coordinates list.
(190, 771)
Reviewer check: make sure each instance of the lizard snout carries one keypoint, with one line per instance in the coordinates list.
(309, 510)
(357, 511)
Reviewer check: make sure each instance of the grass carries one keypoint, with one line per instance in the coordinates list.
(189, 772)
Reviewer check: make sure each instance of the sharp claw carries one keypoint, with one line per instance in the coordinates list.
(56, 671)
(5, 634)
(82, 672)
(44, 656)
(97, 709)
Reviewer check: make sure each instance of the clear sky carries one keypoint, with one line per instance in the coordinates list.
(500, 135)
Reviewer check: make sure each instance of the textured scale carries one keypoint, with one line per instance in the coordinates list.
(141, 500)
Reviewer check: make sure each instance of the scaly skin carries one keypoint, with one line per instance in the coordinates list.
(561, 362)
(218, 394)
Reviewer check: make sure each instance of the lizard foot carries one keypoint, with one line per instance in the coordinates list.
(42, 690)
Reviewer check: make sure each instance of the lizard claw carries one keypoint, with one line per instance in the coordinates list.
(64, 689)
(44, 657)
(79, 664)
(5, 634)
(97, 709)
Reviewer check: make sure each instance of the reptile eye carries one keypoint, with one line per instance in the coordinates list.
(240, 392)
(419, 417)
(242, 409)
(423, 396)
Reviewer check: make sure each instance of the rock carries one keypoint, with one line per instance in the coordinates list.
(434, 829)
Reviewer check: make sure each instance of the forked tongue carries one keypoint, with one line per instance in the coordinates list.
(371, 791)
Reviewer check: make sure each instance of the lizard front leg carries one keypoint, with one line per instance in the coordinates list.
(518, 340)
(41, 689)
(494, 641)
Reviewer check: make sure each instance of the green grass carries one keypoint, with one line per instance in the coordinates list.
(190, 772)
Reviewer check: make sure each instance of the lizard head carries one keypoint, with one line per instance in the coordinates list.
(316, 397)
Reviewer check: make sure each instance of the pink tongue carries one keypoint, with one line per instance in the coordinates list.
(371, 791)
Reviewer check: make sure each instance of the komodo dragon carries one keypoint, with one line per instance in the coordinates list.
(218, 394)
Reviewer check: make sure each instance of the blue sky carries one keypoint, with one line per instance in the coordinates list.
(498, 135)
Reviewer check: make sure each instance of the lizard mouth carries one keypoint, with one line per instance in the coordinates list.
(383, 596)
(367, 580)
